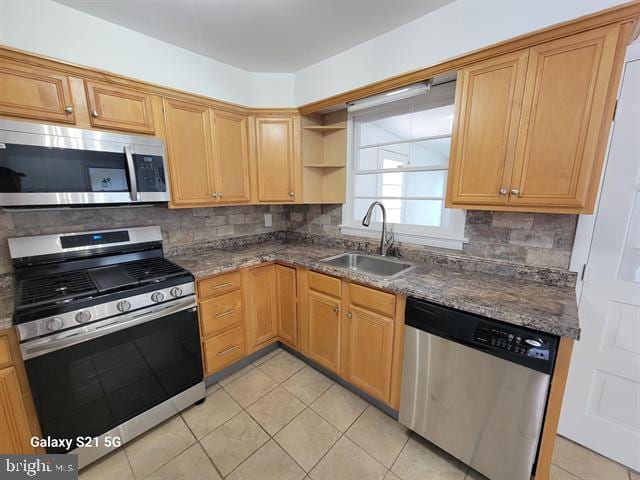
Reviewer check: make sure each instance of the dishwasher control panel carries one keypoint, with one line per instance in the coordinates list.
(511, 340)
(515, 343)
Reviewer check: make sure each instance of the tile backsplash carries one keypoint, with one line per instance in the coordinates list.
(527, 238)
(179, 226)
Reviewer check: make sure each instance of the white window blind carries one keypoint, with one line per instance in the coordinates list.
(400, 156)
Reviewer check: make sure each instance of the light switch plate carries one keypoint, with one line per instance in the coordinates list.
(268, 220)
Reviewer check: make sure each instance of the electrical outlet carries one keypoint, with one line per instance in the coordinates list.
(268, 220)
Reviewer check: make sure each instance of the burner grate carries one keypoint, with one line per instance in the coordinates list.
(54, 289)
(152, 269)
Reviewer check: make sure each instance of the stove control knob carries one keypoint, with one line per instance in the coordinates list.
(176, 292)
(54, 323)
(123, 306)
(157, 297)
(83, 317)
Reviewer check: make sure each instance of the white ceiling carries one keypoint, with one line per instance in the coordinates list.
(260, 35)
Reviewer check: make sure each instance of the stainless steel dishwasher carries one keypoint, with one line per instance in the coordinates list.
(475, 387)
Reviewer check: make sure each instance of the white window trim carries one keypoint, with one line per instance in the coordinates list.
(451, 238)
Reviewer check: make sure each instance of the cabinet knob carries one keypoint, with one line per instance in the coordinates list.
(515, 192)
(219, 194)
(336, 309)
(349, 315)
(68, 109)
(503, 191)
(292, 194)
(214, 194)
(95, 114)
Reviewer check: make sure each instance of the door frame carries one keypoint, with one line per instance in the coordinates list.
(586, 223)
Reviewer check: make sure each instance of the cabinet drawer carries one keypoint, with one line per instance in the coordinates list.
(223, 349)
(324, 284)
(218, 285)
(373, 300)
(220, 313)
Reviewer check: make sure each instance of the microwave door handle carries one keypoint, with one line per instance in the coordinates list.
(132, 173)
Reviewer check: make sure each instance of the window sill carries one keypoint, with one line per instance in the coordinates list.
(453, 243)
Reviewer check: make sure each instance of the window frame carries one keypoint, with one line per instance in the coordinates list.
(452, 236)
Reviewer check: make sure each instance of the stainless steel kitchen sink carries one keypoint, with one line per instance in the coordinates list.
(374, 265)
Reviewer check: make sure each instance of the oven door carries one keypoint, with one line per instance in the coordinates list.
(47, 165)
(86, 384)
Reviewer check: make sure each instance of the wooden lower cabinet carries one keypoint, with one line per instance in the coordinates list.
(323, 327)
(349, 329)
(369, 344)
(222, 326)
(262, 312)
(287, 304)
(18, 421)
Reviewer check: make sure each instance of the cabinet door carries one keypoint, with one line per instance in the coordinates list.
(370, 351)
(323, 326)
(189, 150)
(275, 159)
(14, 425)
(231, 157)
(287, 304)
(35, 93)
(119, 108)
(262, 314)
(483, 144)
(558, 155)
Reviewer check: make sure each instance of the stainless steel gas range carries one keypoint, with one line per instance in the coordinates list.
(109, 333)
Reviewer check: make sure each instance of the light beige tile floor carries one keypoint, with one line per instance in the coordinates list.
(280, 419)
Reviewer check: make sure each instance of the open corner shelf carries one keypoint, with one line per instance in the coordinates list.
(323, 165)
(324, 128)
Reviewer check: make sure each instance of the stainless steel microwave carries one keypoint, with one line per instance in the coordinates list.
(48, 165)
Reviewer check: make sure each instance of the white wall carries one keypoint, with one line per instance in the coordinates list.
(58, 31)
(450, 31)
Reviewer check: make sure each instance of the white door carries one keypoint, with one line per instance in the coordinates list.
(601, 408)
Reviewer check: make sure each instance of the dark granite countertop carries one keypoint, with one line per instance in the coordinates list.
(6, 301)
(542, 307)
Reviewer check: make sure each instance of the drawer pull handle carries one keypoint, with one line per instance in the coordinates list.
(228, 350)
(224, 314)
(222, 285)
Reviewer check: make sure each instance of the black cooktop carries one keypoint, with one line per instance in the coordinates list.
(64, 288)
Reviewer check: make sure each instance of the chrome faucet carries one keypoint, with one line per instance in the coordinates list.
(386, 241)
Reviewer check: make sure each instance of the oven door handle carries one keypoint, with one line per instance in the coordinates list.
(35, 348)
(135, 196)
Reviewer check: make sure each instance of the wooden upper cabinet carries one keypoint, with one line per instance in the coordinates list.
(323, 327)
(563, 121)
(36, 93)
(188, 130)
(369, 343)
(231, 157)
(119, 108)
(535, 123)
(261, 313)
(276, 159)
(286, 299)
(487, 114)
